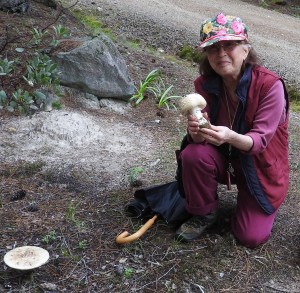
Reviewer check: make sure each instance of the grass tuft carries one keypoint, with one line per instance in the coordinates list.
(190, 53)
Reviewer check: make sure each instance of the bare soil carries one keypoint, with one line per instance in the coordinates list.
(64, 182)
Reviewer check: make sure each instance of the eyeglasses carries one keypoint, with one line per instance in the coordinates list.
(226, 46)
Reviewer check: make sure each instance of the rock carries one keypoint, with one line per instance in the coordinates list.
(14, 5)
(49, 286)
(95, 67)
(116, 106)
(88, 101)
(20, 194)
(49, 3)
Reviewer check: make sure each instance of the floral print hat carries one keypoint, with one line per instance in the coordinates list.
(222, 28)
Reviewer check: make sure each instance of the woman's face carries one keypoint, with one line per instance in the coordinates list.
(226, 58)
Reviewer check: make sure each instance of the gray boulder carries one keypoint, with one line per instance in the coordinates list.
(49, 3)
(14, 5)
(96, 67)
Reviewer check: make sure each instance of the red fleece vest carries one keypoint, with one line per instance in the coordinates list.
(272, 164)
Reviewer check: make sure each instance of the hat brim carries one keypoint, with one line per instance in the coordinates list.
(217, 39)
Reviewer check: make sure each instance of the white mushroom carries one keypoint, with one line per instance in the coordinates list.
(26, 257)
(194, 104)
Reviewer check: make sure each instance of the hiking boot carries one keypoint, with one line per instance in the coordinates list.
(194, 227)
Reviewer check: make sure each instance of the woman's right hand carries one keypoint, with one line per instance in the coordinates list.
(193, 129)
(193, 125)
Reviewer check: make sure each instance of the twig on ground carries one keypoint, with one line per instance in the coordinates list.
(200, 287)
(70, 274)
(138, 289)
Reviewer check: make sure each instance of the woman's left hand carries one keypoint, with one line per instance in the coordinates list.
(216, 135)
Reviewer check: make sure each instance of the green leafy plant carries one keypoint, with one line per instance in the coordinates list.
(59, 32)
(3, 99)
(145, 86)
(128, 272)
(71, 211)
(154, 84)
(6, 66)
(83, 244)
(294, 96)
(65, 252)
(51, 237)
(134, 174)
(37, 36)
(57, 105)
(21, 100)
(166, 100)
(42, 71)
(191, 54)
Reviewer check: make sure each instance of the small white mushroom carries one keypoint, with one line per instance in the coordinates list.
(193, 104)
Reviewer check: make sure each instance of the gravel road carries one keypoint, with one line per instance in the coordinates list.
(275, 36)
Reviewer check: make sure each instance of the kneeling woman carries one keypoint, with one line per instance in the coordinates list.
(247, 144)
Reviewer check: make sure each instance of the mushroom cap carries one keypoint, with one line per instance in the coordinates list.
(191, 101)
(26, 257)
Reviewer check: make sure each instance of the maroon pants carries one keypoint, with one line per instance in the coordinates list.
(203, 168)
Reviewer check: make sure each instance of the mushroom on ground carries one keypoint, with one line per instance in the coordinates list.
(193, 104)
(26, 257)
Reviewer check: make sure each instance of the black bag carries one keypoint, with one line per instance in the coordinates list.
(178, 176)
(164, 200)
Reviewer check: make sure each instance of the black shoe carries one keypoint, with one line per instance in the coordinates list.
(193, 228)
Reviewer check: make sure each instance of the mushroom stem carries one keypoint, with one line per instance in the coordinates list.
(196, 111)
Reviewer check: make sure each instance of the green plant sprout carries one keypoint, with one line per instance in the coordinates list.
(60, 32)
(133, 175)
(83, 244)
(154, 83)
(294, 95)
(164, 100)
(128, 272)
(37, 36)
(144, 86)
(71, 211)
(190, 53)
(6, 66)
(56, 105)
(49, 237)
